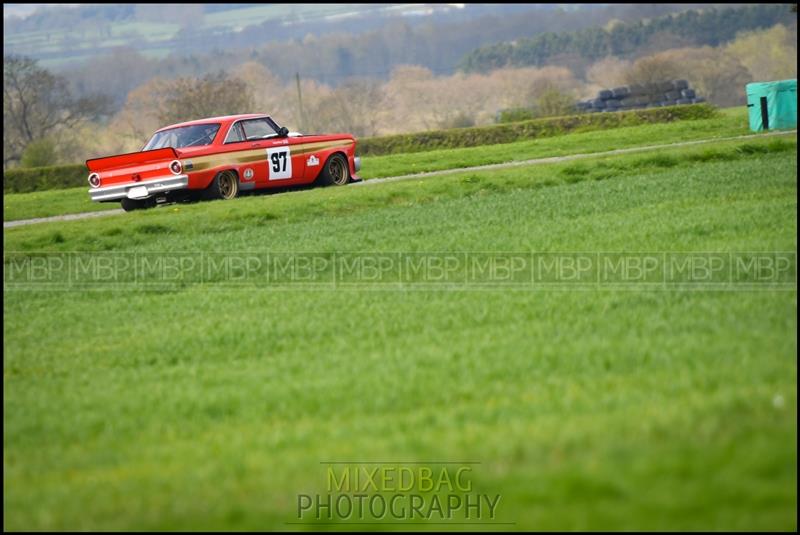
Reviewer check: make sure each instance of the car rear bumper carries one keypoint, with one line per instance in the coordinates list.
(139, 190)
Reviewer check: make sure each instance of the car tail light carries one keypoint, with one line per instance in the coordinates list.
(94, 180)
(176, 167)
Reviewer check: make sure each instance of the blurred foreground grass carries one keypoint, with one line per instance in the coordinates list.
(212, 407)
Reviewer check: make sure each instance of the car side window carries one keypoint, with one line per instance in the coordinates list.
(257, 129)
(235, 134)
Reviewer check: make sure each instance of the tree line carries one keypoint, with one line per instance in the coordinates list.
(331, 53)
(710, 27)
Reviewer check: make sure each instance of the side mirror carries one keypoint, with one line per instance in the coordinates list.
(283, 132)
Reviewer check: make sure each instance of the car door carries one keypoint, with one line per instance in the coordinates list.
(247, 156)
(281, 165)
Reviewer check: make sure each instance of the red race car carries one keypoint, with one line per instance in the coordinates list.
(216, 158)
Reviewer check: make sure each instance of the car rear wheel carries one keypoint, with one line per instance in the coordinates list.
(224, 186)
(336, 171)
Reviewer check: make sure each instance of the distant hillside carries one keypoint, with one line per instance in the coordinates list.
(60, 34)
(62, 37)
(690, 28)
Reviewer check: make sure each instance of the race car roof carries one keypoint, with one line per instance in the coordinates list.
(222, 119)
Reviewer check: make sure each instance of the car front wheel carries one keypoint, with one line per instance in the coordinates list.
(336, 171)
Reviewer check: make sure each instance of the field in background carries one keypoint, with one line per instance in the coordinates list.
(104, 37)
(208, 406)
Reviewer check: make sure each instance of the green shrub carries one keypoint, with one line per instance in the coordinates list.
(39, 153)
(513, 115)
(536, 128)
(22, 180)
(553, 103)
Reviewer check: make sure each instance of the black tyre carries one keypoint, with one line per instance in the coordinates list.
(137, 204)
(224, 186)
(130, 205)
(621, 92)
(336, 171)
(651, 88)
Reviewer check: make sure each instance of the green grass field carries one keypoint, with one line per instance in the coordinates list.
(732, 122)
(212, 405)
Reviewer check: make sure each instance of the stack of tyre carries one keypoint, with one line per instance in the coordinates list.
(638, 96)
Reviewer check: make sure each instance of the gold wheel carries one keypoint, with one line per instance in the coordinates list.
(337, 168)
(228, 185)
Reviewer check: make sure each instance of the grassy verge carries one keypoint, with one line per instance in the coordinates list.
(219, 217)
(511, 132)
(212, 407)
(51, 202)
(732, 122)
(728, 125)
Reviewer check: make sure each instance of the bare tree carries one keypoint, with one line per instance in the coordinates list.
(652, 69)
(37, 103)
(768, 54)
(214, 94)
(352, 107)
(713, 73)
(607, 72)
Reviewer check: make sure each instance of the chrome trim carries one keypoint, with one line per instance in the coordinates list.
(154, 186)
(357, 163)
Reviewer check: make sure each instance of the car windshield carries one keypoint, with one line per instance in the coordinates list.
(183, 136)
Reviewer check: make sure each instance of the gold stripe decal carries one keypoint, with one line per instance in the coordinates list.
(254, 155)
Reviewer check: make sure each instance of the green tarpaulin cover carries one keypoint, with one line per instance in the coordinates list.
(772, 105)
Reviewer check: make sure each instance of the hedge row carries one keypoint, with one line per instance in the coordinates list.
(70, 176)
(42, 178)
(519, 131)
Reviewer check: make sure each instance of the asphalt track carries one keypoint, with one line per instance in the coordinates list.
(373, 181)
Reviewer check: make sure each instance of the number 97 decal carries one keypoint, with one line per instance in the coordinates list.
(279, 162)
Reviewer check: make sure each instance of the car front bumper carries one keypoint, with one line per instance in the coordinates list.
(139, 190)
